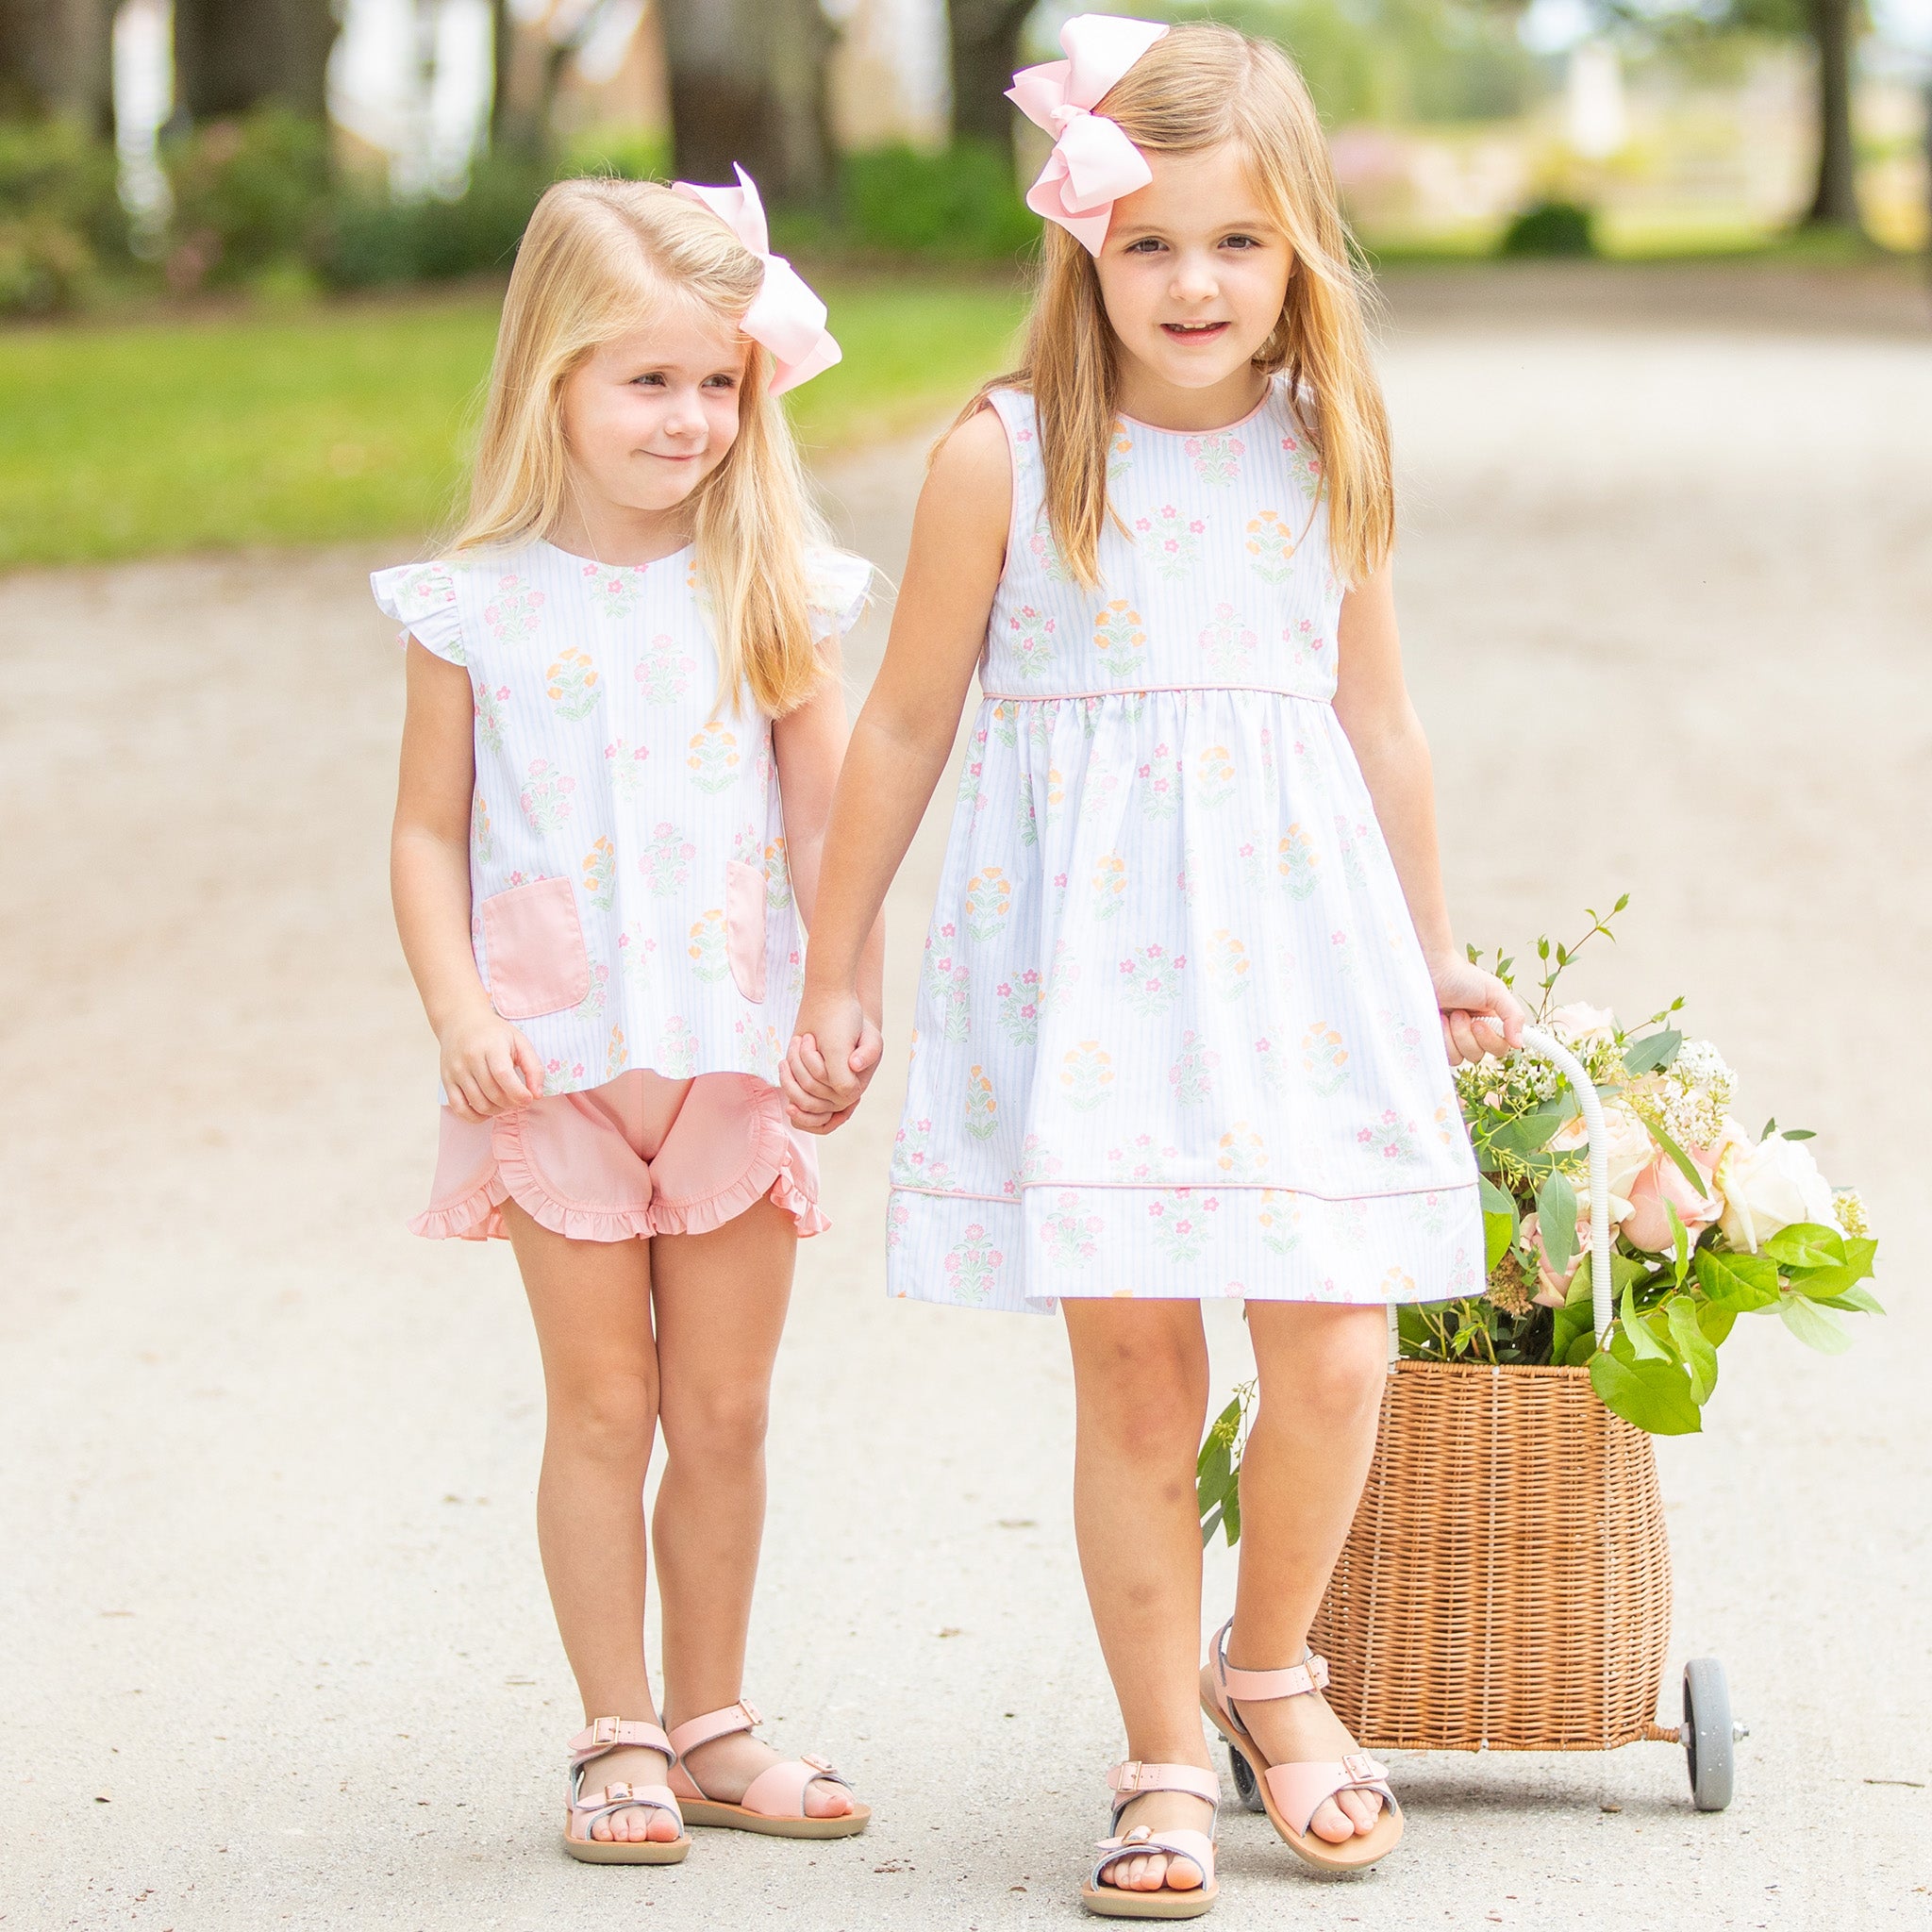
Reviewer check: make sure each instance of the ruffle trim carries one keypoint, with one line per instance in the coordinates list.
(478, 1215)
(838, 588)
(423, 598)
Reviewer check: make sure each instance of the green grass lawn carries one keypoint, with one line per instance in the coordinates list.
(323, 424)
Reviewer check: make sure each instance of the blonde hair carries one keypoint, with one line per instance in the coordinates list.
(598, 259)
(1196, 87)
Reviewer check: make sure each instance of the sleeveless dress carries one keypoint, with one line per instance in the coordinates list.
(631, 904)
(1175, 1035)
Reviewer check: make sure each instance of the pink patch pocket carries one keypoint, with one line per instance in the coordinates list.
(533, 943)
(744, 925)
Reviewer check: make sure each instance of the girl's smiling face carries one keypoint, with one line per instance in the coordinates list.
(1193, 273)
(649, 415)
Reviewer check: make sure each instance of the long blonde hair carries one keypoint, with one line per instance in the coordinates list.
(598, 259)
(1198, 86)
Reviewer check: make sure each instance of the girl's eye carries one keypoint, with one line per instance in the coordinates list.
(721, 382)
(1147, 244)
(1241, 242)
(654, 380)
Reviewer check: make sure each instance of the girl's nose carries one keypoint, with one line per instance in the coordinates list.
(1195, 281)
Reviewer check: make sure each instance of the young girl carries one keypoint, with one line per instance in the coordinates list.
(1177, 1029)
(624, 664)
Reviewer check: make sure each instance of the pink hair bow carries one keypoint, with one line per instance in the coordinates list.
(1092, 163)
(784, 315)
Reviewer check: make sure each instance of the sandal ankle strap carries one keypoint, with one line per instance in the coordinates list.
(1132, 1779)
(1263, 1686)
(607, 1733)
(687, 1737)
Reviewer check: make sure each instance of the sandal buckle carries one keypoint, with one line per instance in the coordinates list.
(1360, 1766)
(817, 1763)
(1126, 1777)
(604, 1730)
(752, 1715)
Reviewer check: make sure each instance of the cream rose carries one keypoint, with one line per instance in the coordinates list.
(1660, 1187)
(1629, 1144)
(1578, 1024)
(1768, 1186)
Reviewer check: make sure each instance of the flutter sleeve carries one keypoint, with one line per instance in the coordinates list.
(422, 597)
(838, 587)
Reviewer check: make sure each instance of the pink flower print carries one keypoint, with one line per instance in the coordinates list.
(1304, 643)
(1227, 644)
(1216, 456)
(1072, 1238)
(546, 796)
(626, 767)
(665, 861)
(488, 706)
(512, 615)
(1018, 1007)
(614, 590)
(1030, 636)
(972, 1264)
(1174, 541)
(1392, 1137)
(560, 1076)
(1304, 464)
(664, 671)
(1160, 784)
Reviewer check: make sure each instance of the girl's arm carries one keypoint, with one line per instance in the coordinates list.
(1479, 1013)
(487, 1066)
(809, 746)
(899, 747)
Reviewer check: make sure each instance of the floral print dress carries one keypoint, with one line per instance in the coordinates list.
(1174, 1035)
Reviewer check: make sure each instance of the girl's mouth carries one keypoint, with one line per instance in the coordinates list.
(1194, 331)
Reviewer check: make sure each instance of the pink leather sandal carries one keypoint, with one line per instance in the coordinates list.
(773, 1802)
(1292, 1793)
(1127, 1782)
(584, 1809)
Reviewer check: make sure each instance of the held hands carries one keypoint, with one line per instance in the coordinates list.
(1480, 1015)
(488, 1068)
(833, 1053)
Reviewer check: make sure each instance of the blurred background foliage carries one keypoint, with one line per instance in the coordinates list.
(251, 204)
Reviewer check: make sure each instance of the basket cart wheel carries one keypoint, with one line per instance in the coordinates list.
(1246, 1790)
(1708, 1733)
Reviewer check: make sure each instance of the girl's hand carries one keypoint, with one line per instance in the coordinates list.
(1480, 1015)
(488, 1068)
(833, 1053)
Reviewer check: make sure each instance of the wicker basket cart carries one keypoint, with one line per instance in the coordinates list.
(1506, 1585)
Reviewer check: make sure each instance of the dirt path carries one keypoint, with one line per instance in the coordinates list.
(273, 1646)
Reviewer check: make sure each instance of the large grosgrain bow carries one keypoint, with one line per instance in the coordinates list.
(784, 315)
(1092, 163)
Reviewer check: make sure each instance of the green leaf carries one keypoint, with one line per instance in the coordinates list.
(1685, 1165)
(1210, 1523)
(1737, 1281)
(1231, 1517)
(1822, 1284)
(1499, 1222)
(1680, 1246)
(1580, 1351)
(1527, 1132)
(1799, 1134)
(1813, 1325)
(1859, 1300)
(1807, 1245)
(1716, 1322)
(1642, 1336)
(1555, 1219)
(1694, 1348)
(1653, 1051)
(1656, 1396)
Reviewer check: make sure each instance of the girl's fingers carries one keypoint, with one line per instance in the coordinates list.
(529, 1063)
(1466, 1042)
(865, 1055)
(809, 1067)
(508, 1079)
(472, 1107)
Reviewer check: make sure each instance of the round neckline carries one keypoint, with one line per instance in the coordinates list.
(1219, 429)
(596, 563)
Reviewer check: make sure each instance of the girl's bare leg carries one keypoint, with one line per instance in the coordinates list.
(1321, 1371)
(721, 1300)
(591, 1300)
(1141, 1389)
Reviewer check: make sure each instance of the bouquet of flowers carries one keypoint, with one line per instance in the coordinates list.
(1709, 1222)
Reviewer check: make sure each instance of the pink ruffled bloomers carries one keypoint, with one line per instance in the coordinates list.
(642, 1156)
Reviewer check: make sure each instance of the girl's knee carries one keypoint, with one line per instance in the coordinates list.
(718, 1427)
(610, 1417)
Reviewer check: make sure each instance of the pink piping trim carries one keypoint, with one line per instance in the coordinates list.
(1180, 1188)
(1139, 691)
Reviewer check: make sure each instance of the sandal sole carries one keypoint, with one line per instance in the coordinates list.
(1113, 1902)
(596, 1851)
(713, 1816)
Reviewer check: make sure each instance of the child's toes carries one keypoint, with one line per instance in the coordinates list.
(661, 1826)
(1361, 1809)
(1331, 1824)
(823, 1800)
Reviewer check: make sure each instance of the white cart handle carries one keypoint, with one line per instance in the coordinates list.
(1602, 1303)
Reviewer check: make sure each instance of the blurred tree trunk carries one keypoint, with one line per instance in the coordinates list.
(56, 61)
(1836, 202)
(748, 85)
(234, 55)
(984, 38)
